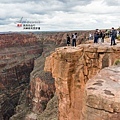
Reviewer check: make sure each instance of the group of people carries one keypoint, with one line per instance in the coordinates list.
(74, 37)
(99, 36)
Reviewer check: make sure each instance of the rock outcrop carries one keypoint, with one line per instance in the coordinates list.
(42, 90)
(42, 87)
(50, 113)
(72, 68)
(102, 96)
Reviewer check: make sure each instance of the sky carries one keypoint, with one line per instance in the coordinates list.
(60, 15)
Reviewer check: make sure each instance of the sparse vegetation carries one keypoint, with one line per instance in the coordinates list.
(118, 37)
(117, 62)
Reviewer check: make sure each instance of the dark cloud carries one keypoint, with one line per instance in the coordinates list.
(112, 2)
(2, 19)
(82, 2)
(79, 2)
(42, 7)
(18, 1)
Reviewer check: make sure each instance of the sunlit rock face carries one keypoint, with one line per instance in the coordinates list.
(42, 86)
(72, 68)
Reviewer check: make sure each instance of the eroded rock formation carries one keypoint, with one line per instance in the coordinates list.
(42, 87)
(17, 54)
(72, 68)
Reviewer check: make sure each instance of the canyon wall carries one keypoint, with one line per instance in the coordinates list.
(72, 68)
(17, 54)
(42, 88)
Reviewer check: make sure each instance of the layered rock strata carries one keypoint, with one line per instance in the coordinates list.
(42, 90)
(72, 68)
(17, 55)
(17, 39)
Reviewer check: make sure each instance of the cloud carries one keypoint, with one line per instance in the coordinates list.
(61, 14)
(17, 1)
(112, 3)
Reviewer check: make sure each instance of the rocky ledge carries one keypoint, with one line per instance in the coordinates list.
(102, 96)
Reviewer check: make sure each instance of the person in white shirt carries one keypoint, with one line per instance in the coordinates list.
(74, 37)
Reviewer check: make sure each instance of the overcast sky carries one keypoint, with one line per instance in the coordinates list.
(60, 14)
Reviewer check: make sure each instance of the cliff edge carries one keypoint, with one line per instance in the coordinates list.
(72, 68)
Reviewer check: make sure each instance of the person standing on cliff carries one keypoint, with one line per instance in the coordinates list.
(103, 36)
(74, 37)
(100, 36)
(68, 40)
(113, 36)
(96, 36)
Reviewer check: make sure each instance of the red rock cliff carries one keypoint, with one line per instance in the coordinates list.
(72, 68)
(42, 87)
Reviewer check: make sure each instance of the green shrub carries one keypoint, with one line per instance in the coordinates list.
(117, 62)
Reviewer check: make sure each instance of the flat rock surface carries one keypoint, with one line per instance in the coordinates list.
(104, 88)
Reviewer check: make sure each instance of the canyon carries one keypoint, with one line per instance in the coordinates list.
(43, 79)
(17, 54)
(24, 86)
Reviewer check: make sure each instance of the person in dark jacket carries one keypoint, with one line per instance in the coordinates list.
(113, 36)
(96, 36)
(103, 37)
(68, 40)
